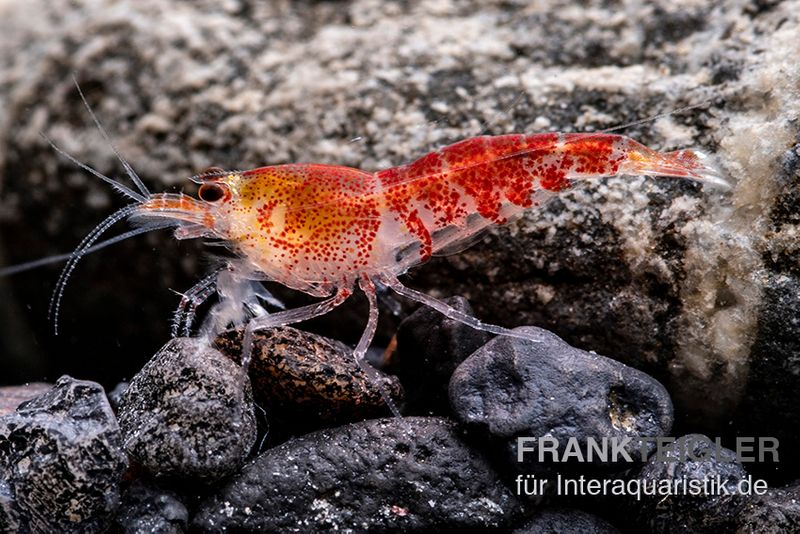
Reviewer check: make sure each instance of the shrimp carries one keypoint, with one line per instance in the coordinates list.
(325, 230)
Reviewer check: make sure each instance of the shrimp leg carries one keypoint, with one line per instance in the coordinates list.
(200, 292)
(360, 352)
(288, 317)
(452, 313)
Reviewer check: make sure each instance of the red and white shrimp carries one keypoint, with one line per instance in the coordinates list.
(324, 229)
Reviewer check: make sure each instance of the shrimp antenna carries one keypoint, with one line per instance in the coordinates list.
(121, 188)
(128, 169)
(80, 252)
(57, 258)
(655, 117)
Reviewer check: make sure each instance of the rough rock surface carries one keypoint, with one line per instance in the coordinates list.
(409, 474)
(776, 512)
(512, 387)
(13, 396)
(147, 508)
(305, 379)
(429, 348)
(661, 274)
(188, 414)
(61, 461)
(771, 399)
(711, 512)
(560, 521)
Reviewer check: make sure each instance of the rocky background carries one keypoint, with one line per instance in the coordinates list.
(698, 288)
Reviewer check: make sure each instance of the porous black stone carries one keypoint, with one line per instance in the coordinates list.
(305, 381)
(429, 348)
(710, 511)
(512, 387)
(775, 512)
(147, 508)
(61, 461)
(188, 414)
(771, 404)
(400, 474)
(565, 521)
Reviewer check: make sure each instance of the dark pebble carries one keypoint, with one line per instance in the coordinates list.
(775, 512)
(305, 379)
(429, 348)
(188, 414)
(147, 508)
(400, 474)
(565, 521)
(712, 510)
(512, 387)
(61, 461)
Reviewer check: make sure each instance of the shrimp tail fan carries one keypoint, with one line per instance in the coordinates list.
(691, 164)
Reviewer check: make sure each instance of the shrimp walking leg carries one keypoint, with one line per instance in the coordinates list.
(360, 352)
(452, 313)
(191, 300)
(288, 317)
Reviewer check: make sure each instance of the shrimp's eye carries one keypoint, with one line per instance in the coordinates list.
(211, 192)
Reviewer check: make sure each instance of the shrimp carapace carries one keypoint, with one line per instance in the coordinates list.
(320, 227)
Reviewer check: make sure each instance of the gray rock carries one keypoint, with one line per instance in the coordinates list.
(565, 521)
(147, 508)
(61, 461)
(188, 414)
(771, 400)
(305, 380)
(401, 474)
(775, 512)
(13, 396)
(512, 387)
(710, 510)
(429, 348)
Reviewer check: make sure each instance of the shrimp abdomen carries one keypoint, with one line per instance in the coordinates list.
(497, 177)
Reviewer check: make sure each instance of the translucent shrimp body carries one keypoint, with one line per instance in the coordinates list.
(317, 228)
(324, 229)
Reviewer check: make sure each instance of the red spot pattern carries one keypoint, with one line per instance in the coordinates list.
(321, 223)
(316, 222)
(481, 174)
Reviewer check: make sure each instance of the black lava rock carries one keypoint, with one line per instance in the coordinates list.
(771, 404)
(714, 506)
(565, 521)
(188, 414)
(775, 512)
(147, 508)
(398, 474)
(305, 380)
(61, 461)
(512, 387)
(429, 348)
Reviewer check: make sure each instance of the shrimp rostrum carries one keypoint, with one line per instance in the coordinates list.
(326, 230)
